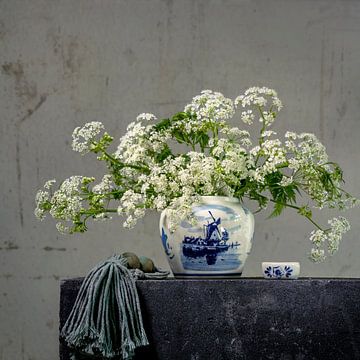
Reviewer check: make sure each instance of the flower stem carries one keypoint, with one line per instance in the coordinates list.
(298, 208)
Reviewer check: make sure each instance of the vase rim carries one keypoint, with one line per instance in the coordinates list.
(223, 198)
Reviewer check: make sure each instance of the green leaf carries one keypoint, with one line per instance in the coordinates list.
(278, 208)
(203, 140)
(162, 125)
(179, 136)
(165, 153)
(180, 116)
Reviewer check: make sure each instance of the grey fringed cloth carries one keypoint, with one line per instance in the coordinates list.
(106, 318)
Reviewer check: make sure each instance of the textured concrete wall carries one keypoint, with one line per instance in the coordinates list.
(67, 62)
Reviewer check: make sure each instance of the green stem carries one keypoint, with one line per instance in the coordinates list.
(264, 125)
(111, 158)
(345, 192)
(90, 213)
(121, 164)
(285, 204)
(298, 208)
(261, 140)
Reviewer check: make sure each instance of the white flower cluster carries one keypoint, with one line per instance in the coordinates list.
(273, 154)
(41, 199)
(175, 184)
(308, 157)
(259, 97)
(104, 186)
(146, 116)
(63, 204)
(66, 202)
(210, 106)
(331, 238)
(147, 173)
(139, 143)
(247, 117)
(236, 134)
(83, 136)
(308, 150)
(132, 206)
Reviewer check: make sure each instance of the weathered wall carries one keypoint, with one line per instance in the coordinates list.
(64, 63)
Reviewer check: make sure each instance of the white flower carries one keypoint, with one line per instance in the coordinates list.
(269, 118)
(339, 226)
(291, 135)
(104, 186)
(62, 228)
(330, 237)
(130, 222)
(247, 117)
(83, 136)
(147, 172)
(246, 142)
(220, 147)
(268, 133)
(146, 116)
(211, 106)
(234, 131)
(139, 213)
(129, 201)
(102, 217)
(136, 144)
(286, 181)
(160, 203)
(317, 255)
(66, 202)
(49, 184)
(318, 237)
(41, 199)
(257, 96)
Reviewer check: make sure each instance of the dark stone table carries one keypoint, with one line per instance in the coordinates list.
(244, 319)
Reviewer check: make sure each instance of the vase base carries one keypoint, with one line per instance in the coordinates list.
(207, 276)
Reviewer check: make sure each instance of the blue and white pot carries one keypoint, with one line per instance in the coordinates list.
(217, 246)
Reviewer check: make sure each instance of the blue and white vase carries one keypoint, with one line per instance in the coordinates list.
(217, 246)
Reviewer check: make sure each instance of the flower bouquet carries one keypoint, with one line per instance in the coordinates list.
(171, 163)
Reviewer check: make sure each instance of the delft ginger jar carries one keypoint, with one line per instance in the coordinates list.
(216, 246)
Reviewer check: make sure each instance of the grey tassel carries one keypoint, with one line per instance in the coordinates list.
(106, 318)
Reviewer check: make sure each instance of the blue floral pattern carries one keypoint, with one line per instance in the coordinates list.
(278, 272)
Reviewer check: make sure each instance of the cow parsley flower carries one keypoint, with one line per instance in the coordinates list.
(247, 117)
(268, 133)
(211, 106)
(317, 255)
(212, 157)
(66, 202)
(49, 184)
(62, 228)
(267, 117)
(318, 237)
(146, 117)
(42, 199)
(83, 136)
(104, 186)
(286, 181)
(258, 96)
(339, 226)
